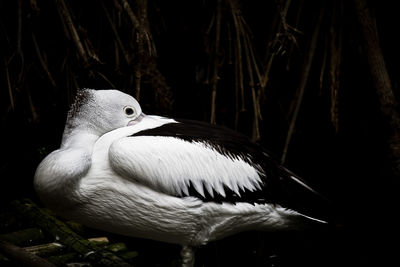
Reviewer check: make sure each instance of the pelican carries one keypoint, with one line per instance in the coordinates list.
(177, 181)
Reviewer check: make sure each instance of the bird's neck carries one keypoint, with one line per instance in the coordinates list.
(58, 175)
(79, 138)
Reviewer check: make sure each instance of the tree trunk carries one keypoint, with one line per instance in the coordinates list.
(381, 80)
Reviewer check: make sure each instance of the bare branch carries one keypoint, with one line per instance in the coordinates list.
(304, 77)
(10, 90)
(72, 29)
(216, 62)
(42, 62)
(117, 38)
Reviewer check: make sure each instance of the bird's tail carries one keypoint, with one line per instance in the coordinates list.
(303, 198)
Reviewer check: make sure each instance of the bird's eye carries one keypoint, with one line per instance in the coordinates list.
(129, 112)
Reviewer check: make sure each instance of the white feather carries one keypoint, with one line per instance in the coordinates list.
(209, 188)
(219, 188)
(165, 163)
(198, 185)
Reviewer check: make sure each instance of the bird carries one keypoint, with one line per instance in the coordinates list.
(173, 180)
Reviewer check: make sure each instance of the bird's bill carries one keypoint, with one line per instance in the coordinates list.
(137, 120)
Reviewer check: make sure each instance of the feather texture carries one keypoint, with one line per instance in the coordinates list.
(236, 170)
(172, 165)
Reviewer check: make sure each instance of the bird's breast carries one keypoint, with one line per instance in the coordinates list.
(57, 177)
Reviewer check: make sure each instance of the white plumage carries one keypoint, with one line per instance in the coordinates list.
(110, 175)
(169, 164)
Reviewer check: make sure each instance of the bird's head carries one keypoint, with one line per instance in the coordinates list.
(101, 111)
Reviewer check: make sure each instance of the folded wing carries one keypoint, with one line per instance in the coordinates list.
(212, 163)
(176, 166)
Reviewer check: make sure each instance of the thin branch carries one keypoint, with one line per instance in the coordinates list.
(283, 13)
(256, 132)
(138, 79)
(323, 66)
(10, 91)
(334, 71)
(216, 61)
(114, 29)
(19, 44)
(265, 77)
(19, 31)
(239, 70)
(42, 62)
(230, 42)
(282, 23)
(293, 44)
(88, 45)
(63, 22)
(142, 7)
(131, 15)
(35, 116)
(304, 77)
(253, 58)
(257, 71)
(141, 25)
(72, 29)
(209, 28)
(142, 36)
(106, 79)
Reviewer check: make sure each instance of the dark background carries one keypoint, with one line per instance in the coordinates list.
(339, 144)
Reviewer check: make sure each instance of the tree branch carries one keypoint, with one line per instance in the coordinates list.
(380, 77)
(304, 77)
